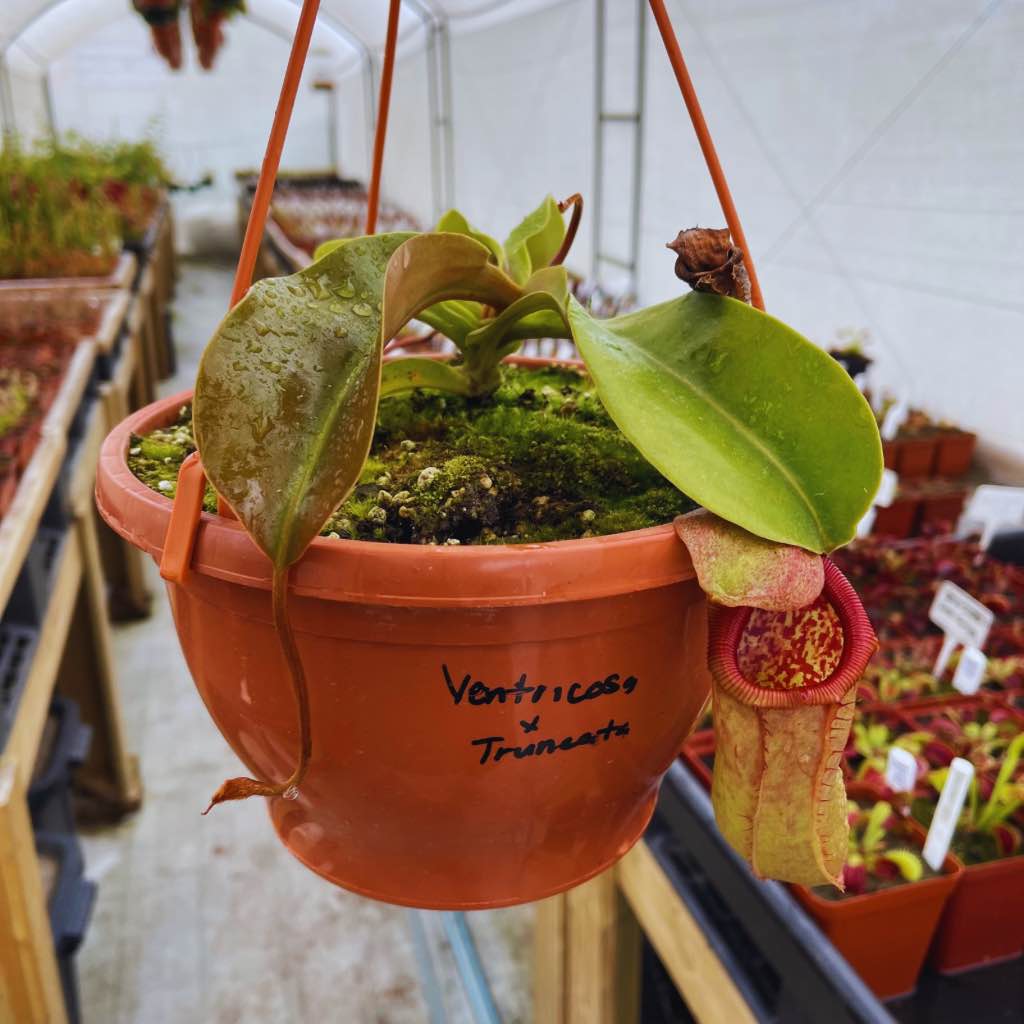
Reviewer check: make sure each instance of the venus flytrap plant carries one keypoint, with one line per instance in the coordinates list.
(733, 407)
(872, 857)
(986, 829)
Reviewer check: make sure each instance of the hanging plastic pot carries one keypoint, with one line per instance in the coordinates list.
(490, 724)
(162, 16)
(207, 18)
(784, 685)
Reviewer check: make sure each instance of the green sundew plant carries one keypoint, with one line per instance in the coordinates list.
(51, 224)
(18, 389)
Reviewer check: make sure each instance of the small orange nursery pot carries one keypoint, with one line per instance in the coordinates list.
(984, 920)
(490, 724)
(917, 457)
(956, 452)
(885, 934)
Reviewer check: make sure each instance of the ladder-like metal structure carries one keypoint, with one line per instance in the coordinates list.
(604, 118)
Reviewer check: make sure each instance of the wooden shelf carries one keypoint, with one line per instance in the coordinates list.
(73, 654)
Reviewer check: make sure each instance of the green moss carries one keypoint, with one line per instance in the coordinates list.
(538, 460)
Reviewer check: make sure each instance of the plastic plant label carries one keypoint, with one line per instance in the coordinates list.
(962, 618)
(867, 524)
(992, 506)
(894, 419)
(900, 770)
(947, 812)
(883, 499)
(970, 671)
(887, 489)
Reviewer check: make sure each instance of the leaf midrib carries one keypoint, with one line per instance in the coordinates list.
(741, 428)
(300, 487)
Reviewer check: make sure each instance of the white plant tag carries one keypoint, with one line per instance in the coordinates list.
(992, 507)
(894, 419)
(962, 618)
(900, 770)
(970, 671)
(887, 489)
(947, 812)
(866, 525)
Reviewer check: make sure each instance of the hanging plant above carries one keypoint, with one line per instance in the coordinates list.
(163, 19)
(206, 17)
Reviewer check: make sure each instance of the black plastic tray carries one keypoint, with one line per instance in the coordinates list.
(778, 959)
(17, 649)
(49, 794)
(70, 909)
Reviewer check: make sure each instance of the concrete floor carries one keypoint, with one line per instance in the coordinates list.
(210, 920)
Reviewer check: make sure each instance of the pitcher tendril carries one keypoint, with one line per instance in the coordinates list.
(242, 788)
(576, 202)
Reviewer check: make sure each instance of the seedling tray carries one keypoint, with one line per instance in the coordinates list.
(31, 595)
(64, 748)
(143, 247)
(17, 649)
(120, 277)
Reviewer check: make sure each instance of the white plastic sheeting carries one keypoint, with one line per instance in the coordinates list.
(874, 149)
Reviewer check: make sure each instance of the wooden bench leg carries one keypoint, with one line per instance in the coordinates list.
(87, 675)
(587, 957)
(30, 991)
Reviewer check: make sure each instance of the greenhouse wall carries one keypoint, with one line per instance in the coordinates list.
(859, 212)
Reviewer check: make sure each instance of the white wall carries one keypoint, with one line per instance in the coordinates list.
(874, 149)
(113, 85)
(876, 156)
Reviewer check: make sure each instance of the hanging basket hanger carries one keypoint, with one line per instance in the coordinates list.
(188, 502)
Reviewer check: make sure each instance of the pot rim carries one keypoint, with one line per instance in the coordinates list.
(370, 572)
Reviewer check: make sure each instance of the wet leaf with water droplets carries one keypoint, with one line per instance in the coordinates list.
(283, 439)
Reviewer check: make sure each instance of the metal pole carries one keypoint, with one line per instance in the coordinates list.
(638, 142)
(449, 121)
(471, 970)
(7, 98)
(433, 72)
(51, 107)
(333, 146)
(598, 188)
(370, 95)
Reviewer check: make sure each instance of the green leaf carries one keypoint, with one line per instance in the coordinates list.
(533, 242)
(455, 222)
(741, 413)
(400, 375)
(874, 830)
(286, 395)
(545, 291)
(1002, 802)
(324, 248)
(454, 319)
(907, 863)
(431, 268)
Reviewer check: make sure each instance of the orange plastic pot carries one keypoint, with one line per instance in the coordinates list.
(699, 756)
(942, 509)
(982, 922)
(490, 724)
(897, 520)
(955, 454)
(917, 456)
(885, 935)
